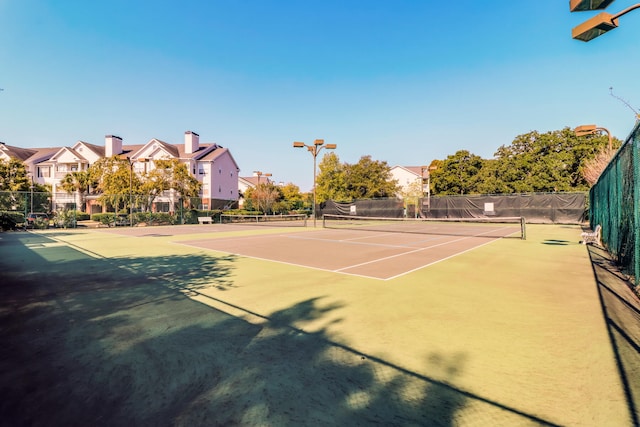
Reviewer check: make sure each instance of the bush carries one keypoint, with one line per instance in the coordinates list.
(69, 218)
(242, 212)
(10, 220)
(155, 218)
(65, 219)
(82, 216)
(12, 217)
(110, 219)
(41, 223)
(191, 216)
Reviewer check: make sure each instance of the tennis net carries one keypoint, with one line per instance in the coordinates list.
(290, 220)
(513, 227)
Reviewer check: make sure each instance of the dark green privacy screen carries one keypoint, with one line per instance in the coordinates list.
(615, 200)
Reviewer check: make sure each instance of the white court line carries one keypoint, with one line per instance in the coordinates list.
(428, 247)
(404, 253)
(326, 270)
(440, 260)
(351, 242)
(193, 243)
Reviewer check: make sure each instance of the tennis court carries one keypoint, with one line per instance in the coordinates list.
(383, 252)
(185, 325)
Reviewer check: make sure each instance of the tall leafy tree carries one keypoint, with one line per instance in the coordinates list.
(489, 179)
(292, 196)
(13, 176)
(547, 162)
(265, 196)
(182, 182)
(369, 179)
(331, 181)
(19, 192)
(114, 180)
(533, 162)
(13, 180)
(166, 176)
(458, 174)
(345, 182)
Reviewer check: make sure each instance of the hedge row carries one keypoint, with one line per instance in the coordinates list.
(155, 218)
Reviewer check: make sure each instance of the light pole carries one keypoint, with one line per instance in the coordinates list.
(131, 163)
(590, 130)
(260, 173)
(31, 193)
(130, 191)
(599, 24)
(258, 192)
(315, 149)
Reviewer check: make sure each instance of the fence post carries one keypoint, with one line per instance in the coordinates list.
(636, 206)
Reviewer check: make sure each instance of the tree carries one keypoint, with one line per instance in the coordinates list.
(114, 180)
(458, 174)
(79, 183)
(182, 182)
(533, 162)
(345, 182)
(265, 196)
(552, 161)
(412, 194)
(13, 176)
(369, 179)
(168, 176)
(331, 181)
(13, 180)
(489, 179)
(292, 197)
(598, 155)
(17, 191)
(593, 168)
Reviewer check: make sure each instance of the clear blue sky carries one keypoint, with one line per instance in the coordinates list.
(403, 81)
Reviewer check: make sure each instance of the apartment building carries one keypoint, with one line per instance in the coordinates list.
(211, 164)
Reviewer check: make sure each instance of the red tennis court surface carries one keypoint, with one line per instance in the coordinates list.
(372, 254)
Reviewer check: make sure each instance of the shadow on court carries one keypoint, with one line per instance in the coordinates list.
(621, 311)
(92, 341)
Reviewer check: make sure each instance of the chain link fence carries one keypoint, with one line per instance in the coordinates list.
(66, 210)
(614, 204)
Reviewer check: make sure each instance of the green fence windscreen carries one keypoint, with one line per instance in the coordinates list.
(615, 200)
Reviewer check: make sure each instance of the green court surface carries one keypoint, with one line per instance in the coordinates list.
(141, 327)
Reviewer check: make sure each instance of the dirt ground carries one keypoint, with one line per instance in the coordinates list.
(103, 329)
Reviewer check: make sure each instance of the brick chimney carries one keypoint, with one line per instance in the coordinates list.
(112, 145)
(191, 142)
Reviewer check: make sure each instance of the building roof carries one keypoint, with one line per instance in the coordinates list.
(250, 180)
(42, 155)
(416, 170)
(17, 152)
(206, 152)
(99, 150)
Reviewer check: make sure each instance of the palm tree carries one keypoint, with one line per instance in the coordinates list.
(77, 182)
